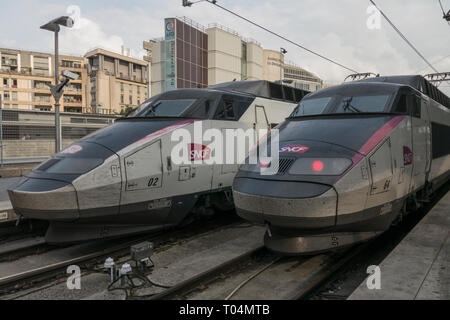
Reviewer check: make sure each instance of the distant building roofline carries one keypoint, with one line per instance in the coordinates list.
(109, 53)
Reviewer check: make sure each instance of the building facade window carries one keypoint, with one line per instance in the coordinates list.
(122, 100)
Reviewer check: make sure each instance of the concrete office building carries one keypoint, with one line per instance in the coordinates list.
(273, 62)
(116, 81)
(231, 57)
(24, 75)
(192, 56)
(276, 69)
(180, 59)
(301, 78)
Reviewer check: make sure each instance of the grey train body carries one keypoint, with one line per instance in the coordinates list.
(121, 180)
(352, 157)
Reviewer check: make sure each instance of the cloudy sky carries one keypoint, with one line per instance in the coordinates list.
(335, 28)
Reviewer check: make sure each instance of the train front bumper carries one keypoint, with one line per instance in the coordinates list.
(307, 205)
(45, 199)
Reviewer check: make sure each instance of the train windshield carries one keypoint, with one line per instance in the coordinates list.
(362, 104)
(343, 104)
(163, 108)
(311, 106)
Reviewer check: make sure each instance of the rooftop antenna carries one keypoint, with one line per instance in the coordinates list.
(361, 76)
(438, 78)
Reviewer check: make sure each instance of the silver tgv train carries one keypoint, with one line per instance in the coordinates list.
(122, 180)
(352, 158)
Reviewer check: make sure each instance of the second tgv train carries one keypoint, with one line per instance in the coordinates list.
(351, 159)
(122, 180)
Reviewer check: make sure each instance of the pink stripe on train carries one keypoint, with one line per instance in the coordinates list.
(373, 141)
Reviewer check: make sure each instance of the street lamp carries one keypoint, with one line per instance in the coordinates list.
(283, 51)
(56, 89)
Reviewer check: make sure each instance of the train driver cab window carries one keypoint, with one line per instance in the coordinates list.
(311, 107)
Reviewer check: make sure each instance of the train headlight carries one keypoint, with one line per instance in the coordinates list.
(320, 166)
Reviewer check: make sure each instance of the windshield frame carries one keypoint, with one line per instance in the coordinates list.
(337, 99)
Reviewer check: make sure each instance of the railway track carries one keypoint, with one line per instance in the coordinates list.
(316, 269)
(16, 249)
(253, 274)
(9, 231)
(115, 248)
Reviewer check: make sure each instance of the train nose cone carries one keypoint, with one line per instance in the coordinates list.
(45, 199)
(285, 204)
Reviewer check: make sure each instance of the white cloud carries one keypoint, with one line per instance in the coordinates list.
(336, 29)
(87, 36)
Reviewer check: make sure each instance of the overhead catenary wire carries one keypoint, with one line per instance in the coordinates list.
(282, 37)
(404, 37)
(434, 63)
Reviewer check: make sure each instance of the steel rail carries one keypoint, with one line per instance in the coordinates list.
(33, 243)
(190, 284)
(49, 270)
(42, 271)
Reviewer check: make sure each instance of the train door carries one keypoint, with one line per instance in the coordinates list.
(381, 169)
(419, 141)
(144, 181)
(427, 118)
(229, 111)
(261, 120)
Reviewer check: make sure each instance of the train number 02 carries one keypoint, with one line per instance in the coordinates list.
(153, 182)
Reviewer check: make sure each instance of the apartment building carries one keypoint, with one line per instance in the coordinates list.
(24, 76)
(116, 81)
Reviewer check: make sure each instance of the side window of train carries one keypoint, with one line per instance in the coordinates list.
(203, 110)
(401, 106)
(415, 103)
(225, 111)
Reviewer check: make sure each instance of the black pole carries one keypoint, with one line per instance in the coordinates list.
(57, 97)
(1, 130)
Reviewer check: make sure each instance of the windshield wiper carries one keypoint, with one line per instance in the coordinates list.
(152, 108)
(348, 105)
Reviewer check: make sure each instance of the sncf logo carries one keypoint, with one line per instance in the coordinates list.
(72, 149)
(294, 148)
(407, 156)
(199, 152)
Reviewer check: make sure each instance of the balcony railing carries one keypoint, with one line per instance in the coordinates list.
(133, 78)
(9, 62)
(42, 99)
